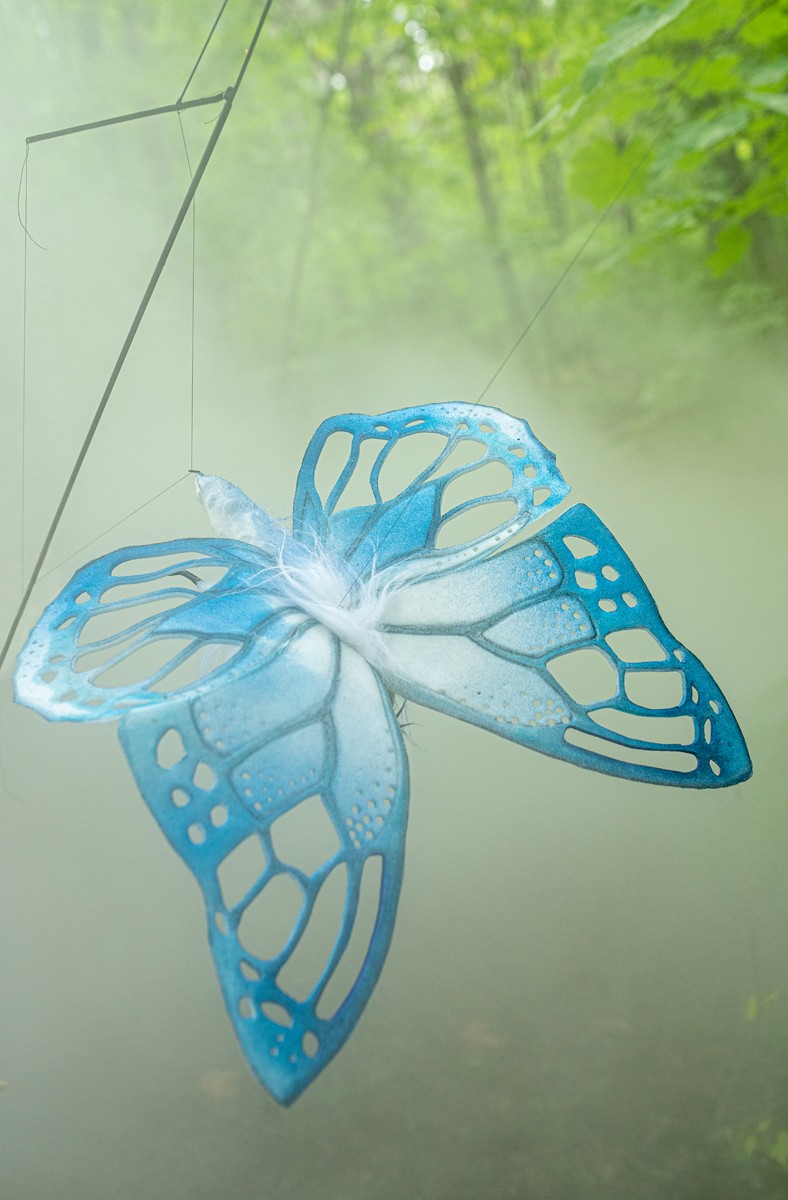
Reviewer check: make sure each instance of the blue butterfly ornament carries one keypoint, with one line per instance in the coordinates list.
(254, 675)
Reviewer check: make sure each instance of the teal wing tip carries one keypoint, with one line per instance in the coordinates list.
(732, 766)
(737, 763)
(745, 770)
(283, 1086)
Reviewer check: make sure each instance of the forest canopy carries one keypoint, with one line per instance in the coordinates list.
(461, 159)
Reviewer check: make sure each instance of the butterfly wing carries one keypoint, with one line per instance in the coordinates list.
(400, 478)
(139, 623)
(226, 773)
(292, 727)
(556, 643)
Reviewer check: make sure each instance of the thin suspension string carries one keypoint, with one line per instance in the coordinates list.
(206, 44)
(23, 412)
(229, 96)
(578, 254)
(22, 213)
(698, 65)
(574, 259)
(193, 296)
(22, 209)
(122, 521)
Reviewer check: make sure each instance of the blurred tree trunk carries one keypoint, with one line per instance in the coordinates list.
(380, 146)
(456, 73)
(768, 255)
(293, 297)
(550, 169)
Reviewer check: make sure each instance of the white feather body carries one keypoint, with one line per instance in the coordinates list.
(311, 577)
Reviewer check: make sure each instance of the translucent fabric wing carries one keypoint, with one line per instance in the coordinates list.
(418, 470)
(556, 643)
(300, 906)
(138, 623)
(294, 729)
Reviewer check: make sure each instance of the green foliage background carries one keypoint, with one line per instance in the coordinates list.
(455, 158)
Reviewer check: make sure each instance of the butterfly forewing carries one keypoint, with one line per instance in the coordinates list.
(438, 480)
(141, 622)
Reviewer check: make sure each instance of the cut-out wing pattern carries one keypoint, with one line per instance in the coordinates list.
(557, 644)
(254, 673)
(149, 616)
(404, 527)
(313, 725)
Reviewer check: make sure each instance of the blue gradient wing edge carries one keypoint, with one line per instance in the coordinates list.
(139, 599)
(312, 722)
(405, 526)
(495, 659)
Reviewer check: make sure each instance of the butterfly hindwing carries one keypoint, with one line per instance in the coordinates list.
(285, 792)
(556, 643)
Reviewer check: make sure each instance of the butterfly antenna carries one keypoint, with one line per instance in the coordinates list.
(192, 578)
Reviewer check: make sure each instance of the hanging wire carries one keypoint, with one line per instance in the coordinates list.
(229, 96)
(696, 64)
(110, 528)
(193, 296)
(695, 67)
(199, 58)
(23, 413)
(22, 216)
(578, 254)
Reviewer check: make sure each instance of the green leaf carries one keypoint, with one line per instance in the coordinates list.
(774, 101)
(751, 1011)
(707, 18)
(626, 35)
(769, 74)
(719, 75)
(599, 170)
(696, 137)
(766, 29)
(648, 68)
(732, 244)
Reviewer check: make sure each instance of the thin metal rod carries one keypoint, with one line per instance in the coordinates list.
(250, 49)
(206, 44)
(229, 96)
(116, 370)
(178, 106)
